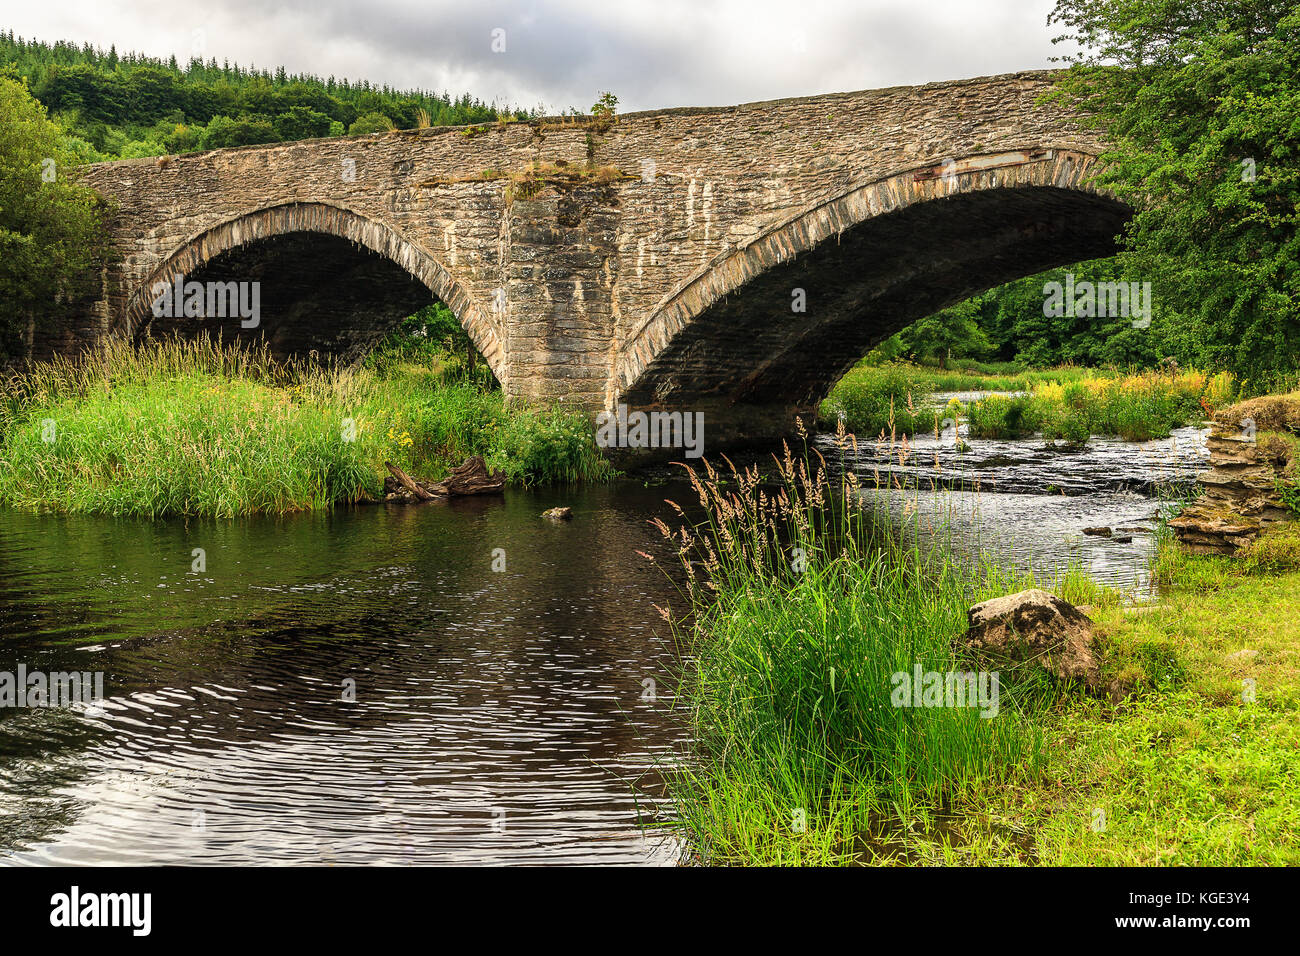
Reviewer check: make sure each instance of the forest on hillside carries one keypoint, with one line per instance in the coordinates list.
(124, 106)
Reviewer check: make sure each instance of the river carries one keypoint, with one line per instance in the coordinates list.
(447, 683)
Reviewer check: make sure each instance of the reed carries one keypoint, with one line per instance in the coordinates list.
(801, 611)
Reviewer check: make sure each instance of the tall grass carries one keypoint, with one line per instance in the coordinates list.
(801, 612)
(192, 427)
(1136, 407)
(887, 398)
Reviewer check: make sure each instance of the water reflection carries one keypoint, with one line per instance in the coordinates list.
(496, 716)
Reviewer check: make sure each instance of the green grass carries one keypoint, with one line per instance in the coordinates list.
(800, 615)
(193, 428)
(1190, 769)
(801, 759)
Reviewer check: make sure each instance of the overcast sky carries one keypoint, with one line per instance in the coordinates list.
(561, 53)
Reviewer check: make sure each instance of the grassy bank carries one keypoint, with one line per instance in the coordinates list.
(193, 428)
(800, 615)
(1066, 403)
(801, 612)
(1135, 407)
(1199, 765)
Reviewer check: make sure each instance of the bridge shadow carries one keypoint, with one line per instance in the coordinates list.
(314, 293)
(733, 343)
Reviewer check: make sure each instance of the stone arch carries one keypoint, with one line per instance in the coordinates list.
(1030, 195)
(331, 220)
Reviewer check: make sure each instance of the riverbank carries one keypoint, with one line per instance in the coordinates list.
(1067, 403)
(191, 428)
(1198, 765)
(803, 759)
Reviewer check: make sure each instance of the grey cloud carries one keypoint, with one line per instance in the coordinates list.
(667, 53)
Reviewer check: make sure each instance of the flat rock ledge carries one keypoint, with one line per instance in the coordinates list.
(1240, 497)
(1034, 627)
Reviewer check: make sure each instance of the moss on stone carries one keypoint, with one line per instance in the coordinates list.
(1274, 413)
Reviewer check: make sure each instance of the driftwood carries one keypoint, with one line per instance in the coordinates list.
(469, 478)
(412, 488)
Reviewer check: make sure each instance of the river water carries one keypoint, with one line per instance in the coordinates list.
(447, 683)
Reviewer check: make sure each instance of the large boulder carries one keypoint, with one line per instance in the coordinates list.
(1034, 627)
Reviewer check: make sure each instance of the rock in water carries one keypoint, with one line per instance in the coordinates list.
(1035, 627)
(558, 514)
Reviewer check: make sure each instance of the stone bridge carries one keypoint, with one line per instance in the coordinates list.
(733, 261)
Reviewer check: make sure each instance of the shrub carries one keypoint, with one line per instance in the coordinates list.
(1000, 416)
(548, 445)
(887, 398)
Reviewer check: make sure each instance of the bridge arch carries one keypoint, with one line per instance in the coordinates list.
(248, 230)
(869, 262)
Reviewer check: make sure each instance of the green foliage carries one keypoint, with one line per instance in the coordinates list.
(51, 235)
(1001, 416)
(1136, 407)
(1200, 103)
(223, 132)
(302, 122)
(434, 339)
(605, 106)
(548, 445)
(1007, 324)
(193, 428)
(801, 617)
(952, 332)
(374, 122)
(132, 105)
(887, 398)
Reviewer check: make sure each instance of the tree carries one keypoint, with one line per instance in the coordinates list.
(1200, 100)
(51, 232)
(223, 132)
(373, 122)
(300, 122)
(950, 333)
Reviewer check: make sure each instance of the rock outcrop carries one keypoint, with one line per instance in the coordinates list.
(1249, 453)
